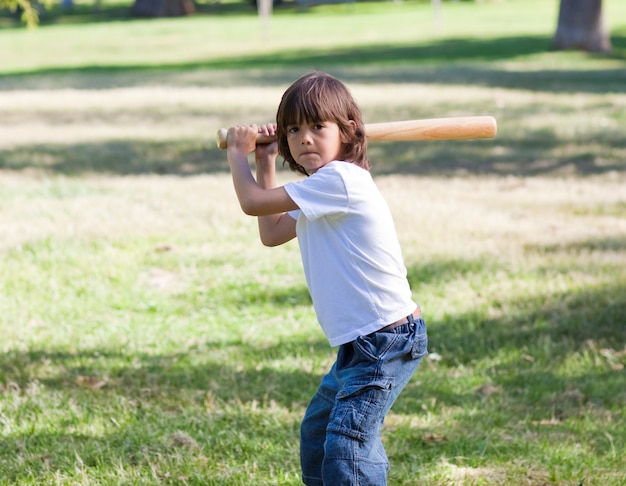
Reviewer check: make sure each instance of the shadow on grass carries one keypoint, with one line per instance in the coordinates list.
(224, 394)
(120, 157)
(447, 61)
(614, 244)
(535, 154)
(173, 377)
(553, 324)
(532, 345)
(538, 154)
(554, 358)
(548, 328)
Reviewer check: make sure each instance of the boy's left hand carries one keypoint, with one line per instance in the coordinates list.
(267, 152)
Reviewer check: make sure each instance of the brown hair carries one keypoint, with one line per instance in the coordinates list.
(319, 97)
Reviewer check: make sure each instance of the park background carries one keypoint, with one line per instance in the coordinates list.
(147, 337)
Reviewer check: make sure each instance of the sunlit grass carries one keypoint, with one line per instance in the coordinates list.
(298, 37)
(166, 333)
(149, 338)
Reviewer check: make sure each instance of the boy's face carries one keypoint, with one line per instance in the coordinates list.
(315, 144)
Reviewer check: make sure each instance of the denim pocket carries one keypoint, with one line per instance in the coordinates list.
(359, 408)
(375, 347)
(419, 348)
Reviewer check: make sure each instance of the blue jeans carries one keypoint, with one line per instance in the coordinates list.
(340, 433)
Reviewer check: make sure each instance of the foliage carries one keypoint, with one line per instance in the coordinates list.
(29, 14)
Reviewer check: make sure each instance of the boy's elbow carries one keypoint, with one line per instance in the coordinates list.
(270, 242)
(248, 207)
(247, 210)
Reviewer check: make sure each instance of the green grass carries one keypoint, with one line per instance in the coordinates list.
(148, 337)
(339, 34)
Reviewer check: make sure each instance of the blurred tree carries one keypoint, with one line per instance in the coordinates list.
(29, 13)
(163, 8)
(581, 26)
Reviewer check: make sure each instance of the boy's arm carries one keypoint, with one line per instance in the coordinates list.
(260, 197)
(274, 229)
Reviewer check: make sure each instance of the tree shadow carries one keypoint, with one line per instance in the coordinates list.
(160, 408)
(611, 244)
(570, 319)
(558, 324)
(150, 376)
(447, 61)
(120, 157)
(529, 393)
(547, 329)
(186, 386)
(533, 156)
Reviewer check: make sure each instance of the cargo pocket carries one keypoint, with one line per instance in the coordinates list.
(359, 409)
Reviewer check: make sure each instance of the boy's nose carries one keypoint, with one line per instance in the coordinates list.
(306, 137)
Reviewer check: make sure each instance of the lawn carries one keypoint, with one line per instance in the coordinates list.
(149, 338)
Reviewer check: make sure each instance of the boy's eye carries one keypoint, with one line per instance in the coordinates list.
(292, 130)
(318, 126)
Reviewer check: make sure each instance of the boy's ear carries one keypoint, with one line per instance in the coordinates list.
(351, 130)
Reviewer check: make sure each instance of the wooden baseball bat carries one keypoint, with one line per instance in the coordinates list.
(452, 128)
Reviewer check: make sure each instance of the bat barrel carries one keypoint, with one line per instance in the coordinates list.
(452, 128)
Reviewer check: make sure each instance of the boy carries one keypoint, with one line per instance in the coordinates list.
(353, 267)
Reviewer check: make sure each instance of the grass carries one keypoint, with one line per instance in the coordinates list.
(148, 337)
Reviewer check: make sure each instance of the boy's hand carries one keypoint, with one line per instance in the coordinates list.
(266, 154)
(242, 139)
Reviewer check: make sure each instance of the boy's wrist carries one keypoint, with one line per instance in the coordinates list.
(266, 160)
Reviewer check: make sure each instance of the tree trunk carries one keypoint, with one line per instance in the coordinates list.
(581, 26)
(163, 8)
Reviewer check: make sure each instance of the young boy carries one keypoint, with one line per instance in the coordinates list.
(353, 267)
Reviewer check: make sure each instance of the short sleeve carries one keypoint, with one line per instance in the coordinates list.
(324, 193)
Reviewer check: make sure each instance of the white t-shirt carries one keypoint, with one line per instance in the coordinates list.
(350, 252)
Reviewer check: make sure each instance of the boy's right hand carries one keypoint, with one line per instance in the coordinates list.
(242, 139)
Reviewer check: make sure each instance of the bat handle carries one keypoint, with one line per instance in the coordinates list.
(222, 139)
